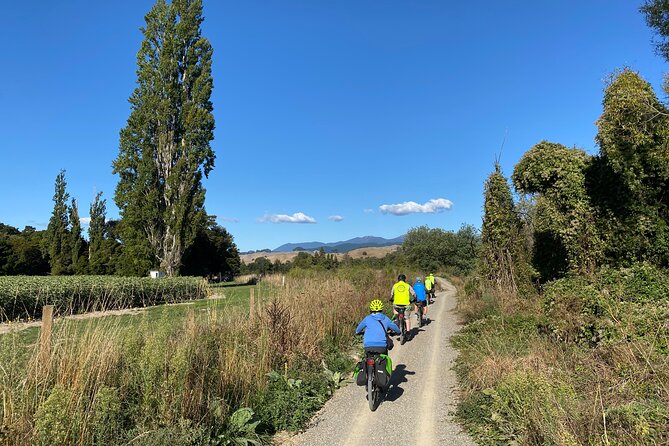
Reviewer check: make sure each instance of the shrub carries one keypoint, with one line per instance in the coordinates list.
(288, 403)
(55, 422)
(628, 303)
(107, 416)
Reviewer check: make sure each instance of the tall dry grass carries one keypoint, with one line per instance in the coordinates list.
(524, 385)
(147, 383)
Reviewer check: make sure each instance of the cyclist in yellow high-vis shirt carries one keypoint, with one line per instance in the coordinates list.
(402, 295)
(430, 287)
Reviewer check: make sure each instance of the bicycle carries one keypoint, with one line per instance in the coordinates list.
(419, 312)
(403, 325)
(373, 389)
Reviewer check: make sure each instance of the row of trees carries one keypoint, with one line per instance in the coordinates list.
(62, 248)
(423, 248)
(434, 249)
(304, 260)
(164, 153)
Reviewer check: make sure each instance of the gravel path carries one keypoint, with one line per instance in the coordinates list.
(416, 409)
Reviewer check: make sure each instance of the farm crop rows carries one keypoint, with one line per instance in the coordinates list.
(22, 297)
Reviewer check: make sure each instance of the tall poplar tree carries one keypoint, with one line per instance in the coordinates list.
(77, 242)
(58, 239)
(165, 147)
(97, 257)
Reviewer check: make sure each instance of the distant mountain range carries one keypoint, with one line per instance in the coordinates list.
(343, 246)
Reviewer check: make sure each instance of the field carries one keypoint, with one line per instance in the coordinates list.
(22, 297)
(359, 253)
(222, 297)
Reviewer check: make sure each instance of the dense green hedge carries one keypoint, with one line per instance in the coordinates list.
(22, 297)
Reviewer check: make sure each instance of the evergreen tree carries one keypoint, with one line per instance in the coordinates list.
(97, 258)
(214, 252)
(165, 147)
(58, 240)
(77, 242)
(27, 253)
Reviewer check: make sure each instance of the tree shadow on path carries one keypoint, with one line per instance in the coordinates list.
(399, 376)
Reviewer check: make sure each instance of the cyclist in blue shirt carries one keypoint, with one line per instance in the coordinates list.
(421, 296)
(375, 326)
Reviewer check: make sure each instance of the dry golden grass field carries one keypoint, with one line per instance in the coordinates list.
(289, 256)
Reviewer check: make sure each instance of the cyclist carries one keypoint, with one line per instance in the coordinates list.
(421, 298)
(375, 326)
(402, 295)
(430, 286)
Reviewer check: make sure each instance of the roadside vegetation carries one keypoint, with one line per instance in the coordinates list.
(567, 340)
(228, 376)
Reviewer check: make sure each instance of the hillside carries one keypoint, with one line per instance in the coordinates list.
(342, 246)
(378, 252)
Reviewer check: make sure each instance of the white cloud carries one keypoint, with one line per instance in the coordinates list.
(411, 207)
(228, 219)
(297, 217)
(37, 224)
(85, 220)
(368, 211)
(336, 218)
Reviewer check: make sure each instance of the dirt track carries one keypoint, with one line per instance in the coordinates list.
(417, 408)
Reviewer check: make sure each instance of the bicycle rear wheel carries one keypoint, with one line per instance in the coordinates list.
(371, 389)
(403, 331)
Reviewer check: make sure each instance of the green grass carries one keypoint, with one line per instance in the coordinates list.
(165, 315)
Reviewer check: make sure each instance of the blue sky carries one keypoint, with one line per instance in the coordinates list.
(322, 108)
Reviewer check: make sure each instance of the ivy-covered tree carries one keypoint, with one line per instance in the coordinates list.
(165, 147)
(565, 220)
(656, 13)
(501, 238)
(58, 241)
(630, 180)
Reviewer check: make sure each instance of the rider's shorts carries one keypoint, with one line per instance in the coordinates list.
(377, 350)
(422, 303)
(399, 308)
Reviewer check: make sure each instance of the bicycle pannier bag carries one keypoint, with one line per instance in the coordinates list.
(384, 368)
(360, 374)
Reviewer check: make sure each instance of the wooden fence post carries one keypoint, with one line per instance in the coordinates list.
(283, 281)
(45, 335)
